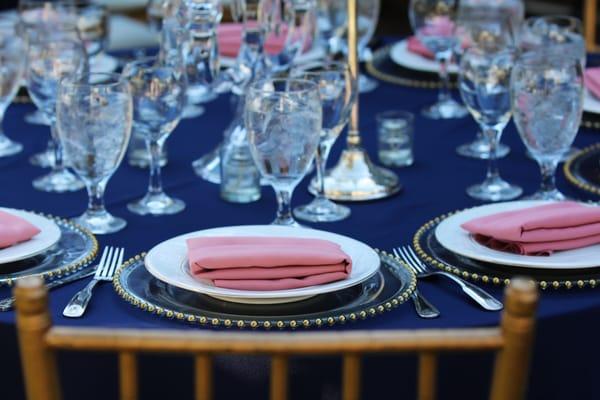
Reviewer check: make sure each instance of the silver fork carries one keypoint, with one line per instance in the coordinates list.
(483, 298)
(111, 258)
(423, 307)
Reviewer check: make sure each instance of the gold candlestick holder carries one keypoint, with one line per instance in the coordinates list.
(355, 177)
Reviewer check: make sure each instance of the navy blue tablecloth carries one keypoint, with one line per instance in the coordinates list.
(566, 350)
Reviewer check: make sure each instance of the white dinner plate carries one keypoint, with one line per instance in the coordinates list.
(400, 54)
(168, 262)
(454, 238)
(48, 237)
(590, 103)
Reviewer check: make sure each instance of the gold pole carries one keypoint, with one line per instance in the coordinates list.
(353, 135)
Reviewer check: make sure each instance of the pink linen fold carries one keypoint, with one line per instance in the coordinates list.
(592, 81)
(539, 230)
(229, 38)
(417, 47)
(267, 263)
(15, 230)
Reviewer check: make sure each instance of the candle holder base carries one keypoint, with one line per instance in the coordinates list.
(356, 178)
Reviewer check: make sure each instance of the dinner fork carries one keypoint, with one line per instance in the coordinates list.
(423, 307)
(111, 258)
(483, 298)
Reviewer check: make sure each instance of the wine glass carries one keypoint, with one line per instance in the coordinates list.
(337, 91)
(547, 101)
(51, 58)
(283, 120)
(484, 83)
(433, 22)
(482, 25)
(158, 92)
(12, 67)
(93, 121)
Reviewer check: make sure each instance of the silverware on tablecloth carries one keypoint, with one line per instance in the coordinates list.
(7, 303)
(423, 270)
(111, 258)
(423, 307)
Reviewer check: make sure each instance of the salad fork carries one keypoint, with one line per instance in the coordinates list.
(423, 307)
(483, 298)
(111, 258)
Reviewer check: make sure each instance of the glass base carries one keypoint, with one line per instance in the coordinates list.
(552, 195)
(480, 149)
(100, 223)
(58, 181)
(366, 84)
(322, 210)
(156, 204)
(192, 111)
(496, 190)
(8, 147)
(287, 222)
(36, 118)
(208, 167)
(45, 159)
(447, 109)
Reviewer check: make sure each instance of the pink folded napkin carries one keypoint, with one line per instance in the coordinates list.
(267, 263)
(539, 230)
(415, 46)
(15, 230)
(229, 37)
(592, 80)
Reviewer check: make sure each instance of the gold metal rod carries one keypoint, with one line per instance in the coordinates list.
(353, 133)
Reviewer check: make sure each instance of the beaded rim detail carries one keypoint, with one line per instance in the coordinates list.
(202, 320)
(66, 269)
(488, 279)
(568, 170)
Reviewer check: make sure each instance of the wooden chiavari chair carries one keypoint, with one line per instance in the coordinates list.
(590, 18)
(512, 340)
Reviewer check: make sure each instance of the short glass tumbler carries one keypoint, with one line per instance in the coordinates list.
(395, 134)
(94, 118)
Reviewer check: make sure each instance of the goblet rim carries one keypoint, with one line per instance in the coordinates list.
(84, 80)
(574, 21)
(258, 86)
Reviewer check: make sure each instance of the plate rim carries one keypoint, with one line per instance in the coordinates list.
(402, 46)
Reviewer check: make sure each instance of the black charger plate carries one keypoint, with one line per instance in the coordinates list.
(387, 289)
(583, 169)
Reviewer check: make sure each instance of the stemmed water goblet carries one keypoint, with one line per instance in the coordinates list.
(93, 120)
(337, 91)
(547, 102)
(484, 83)
(49, 59)
(12, 67)
(433, 22)
(158, 92)
(283, 120)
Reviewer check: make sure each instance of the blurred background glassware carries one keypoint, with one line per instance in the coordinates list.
(395, 134)
(284, 119)
(433, 22)
(337, 91)
(93, 26)
(484, 83)
(483, 23)
(547, 101)
(156, 12)
(93, 119)
(158, 93)
(13, 52)
(50, 58)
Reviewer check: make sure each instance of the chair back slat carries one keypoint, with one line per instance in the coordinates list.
(590, 15)
(426, 386)
(203, 366)
(351, 381)
(128, 376)
(279, 377)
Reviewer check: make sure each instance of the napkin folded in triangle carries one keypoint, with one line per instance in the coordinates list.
(592, 81)
(267, 263)
(539, 230)
(229, 38)
(15, 230)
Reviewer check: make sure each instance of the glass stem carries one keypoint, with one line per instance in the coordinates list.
(2, 135)
(155, 149)
(58, 154)
(96, 197)
(493, 136)
(548, 170)
(321, 160)
(443, 58)
(284, 208)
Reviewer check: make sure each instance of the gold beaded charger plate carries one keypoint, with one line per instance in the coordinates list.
(591, 111)
(75, 249)
(583, 169)
(431, 251)
(384, 68)
(391, 286)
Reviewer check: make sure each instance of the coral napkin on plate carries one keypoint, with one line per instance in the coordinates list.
(15, 230)
(592, 81)
(539, 230)
(416, 46)
(229, 38)
(267, 263)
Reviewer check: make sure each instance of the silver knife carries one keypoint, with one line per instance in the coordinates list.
(8, 302)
